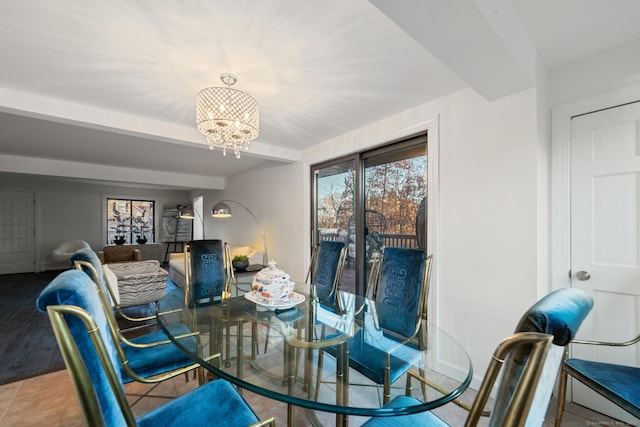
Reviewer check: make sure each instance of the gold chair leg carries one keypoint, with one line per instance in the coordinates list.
(387, 381)
(266, 341)
(562, 395)
(319, 374)
(255, 349)
(201, 375)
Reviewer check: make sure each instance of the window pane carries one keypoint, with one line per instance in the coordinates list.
(130, 221)
(334, 207)
(395, 187)
(142, 220)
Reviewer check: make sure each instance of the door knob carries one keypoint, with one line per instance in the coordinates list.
(583, 275)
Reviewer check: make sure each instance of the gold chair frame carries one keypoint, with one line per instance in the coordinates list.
(562, 386)
(523, 394)
(79, 374)
(118, 337)
(418, 334)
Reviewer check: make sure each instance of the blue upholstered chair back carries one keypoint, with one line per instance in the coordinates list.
(327, 263)
(108, 300)
(401, 284)
(75, 288)
(98, 277)
(91, 257)
(207, 272)
(559, 313)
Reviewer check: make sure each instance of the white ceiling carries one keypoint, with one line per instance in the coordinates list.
(114, 83)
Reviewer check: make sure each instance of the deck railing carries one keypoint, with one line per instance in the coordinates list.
(393, 240)
(399, 240)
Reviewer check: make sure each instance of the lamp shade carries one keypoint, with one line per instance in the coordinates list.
(221, 210)
(186, 212)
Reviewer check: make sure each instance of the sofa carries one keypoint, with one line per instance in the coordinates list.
(176, 262)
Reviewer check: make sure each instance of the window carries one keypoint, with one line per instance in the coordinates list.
(130, 221)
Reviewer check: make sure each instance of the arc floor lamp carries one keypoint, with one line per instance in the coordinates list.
(222, 210)
(187, 212)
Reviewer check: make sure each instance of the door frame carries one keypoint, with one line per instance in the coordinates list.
(560, 229)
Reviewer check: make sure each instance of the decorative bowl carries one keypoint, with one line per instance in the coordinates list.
(278, 292)
(272, 284)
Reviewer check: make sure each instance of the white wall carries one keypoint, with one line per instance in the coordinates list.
(611, 70)
(275, 196)
(70, 211)
(487, 255)
(487, 238)
(544, 181)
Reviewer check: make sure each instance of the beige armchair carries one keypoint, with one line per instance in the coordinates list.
(119, 253)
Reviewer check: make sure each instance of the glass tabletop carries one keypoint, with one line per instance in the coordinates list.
(274, 351)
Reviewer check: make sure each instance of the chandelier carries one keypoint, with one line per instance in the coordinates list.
(228, 117)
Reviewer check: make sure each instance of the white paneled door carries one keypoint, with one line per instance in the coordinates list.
(605, 237)
(17, 225)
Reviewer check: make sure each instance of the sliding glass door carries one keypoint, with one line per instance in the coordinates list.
(372, 200)
(334, 200)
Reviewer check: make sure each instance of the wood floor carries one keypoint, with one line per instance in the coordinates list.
(29, 347)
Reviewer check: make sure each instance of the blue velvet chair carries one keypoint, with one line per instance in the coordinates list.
(208, 278)
(90, 354)
(619, 384)
(208, 272)
(147, 358)
(108, 282)
(529, 360)
(325, 271)
(399, 282)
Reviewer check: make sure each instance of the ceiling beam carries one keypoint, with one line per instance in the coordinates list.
(78, 170)
(482, 41)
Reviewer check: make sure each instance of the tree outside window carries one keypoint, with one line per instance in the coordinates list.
(130, 221)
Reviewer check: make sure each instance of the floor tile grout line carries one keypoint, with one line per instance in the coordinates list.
(11, 401)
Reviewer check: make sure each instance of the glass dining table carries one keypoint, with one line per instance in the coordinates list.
(274, 351)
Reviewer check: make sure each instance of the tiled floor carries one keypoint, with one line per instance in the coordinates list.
(49, 400)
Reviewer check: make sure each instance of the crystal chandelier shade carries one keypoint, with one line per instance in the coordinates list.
(227, 117)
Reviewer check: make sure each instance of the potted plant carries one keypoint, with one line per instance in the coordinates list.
(140, 227)
(240, 262)
(120, 225)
